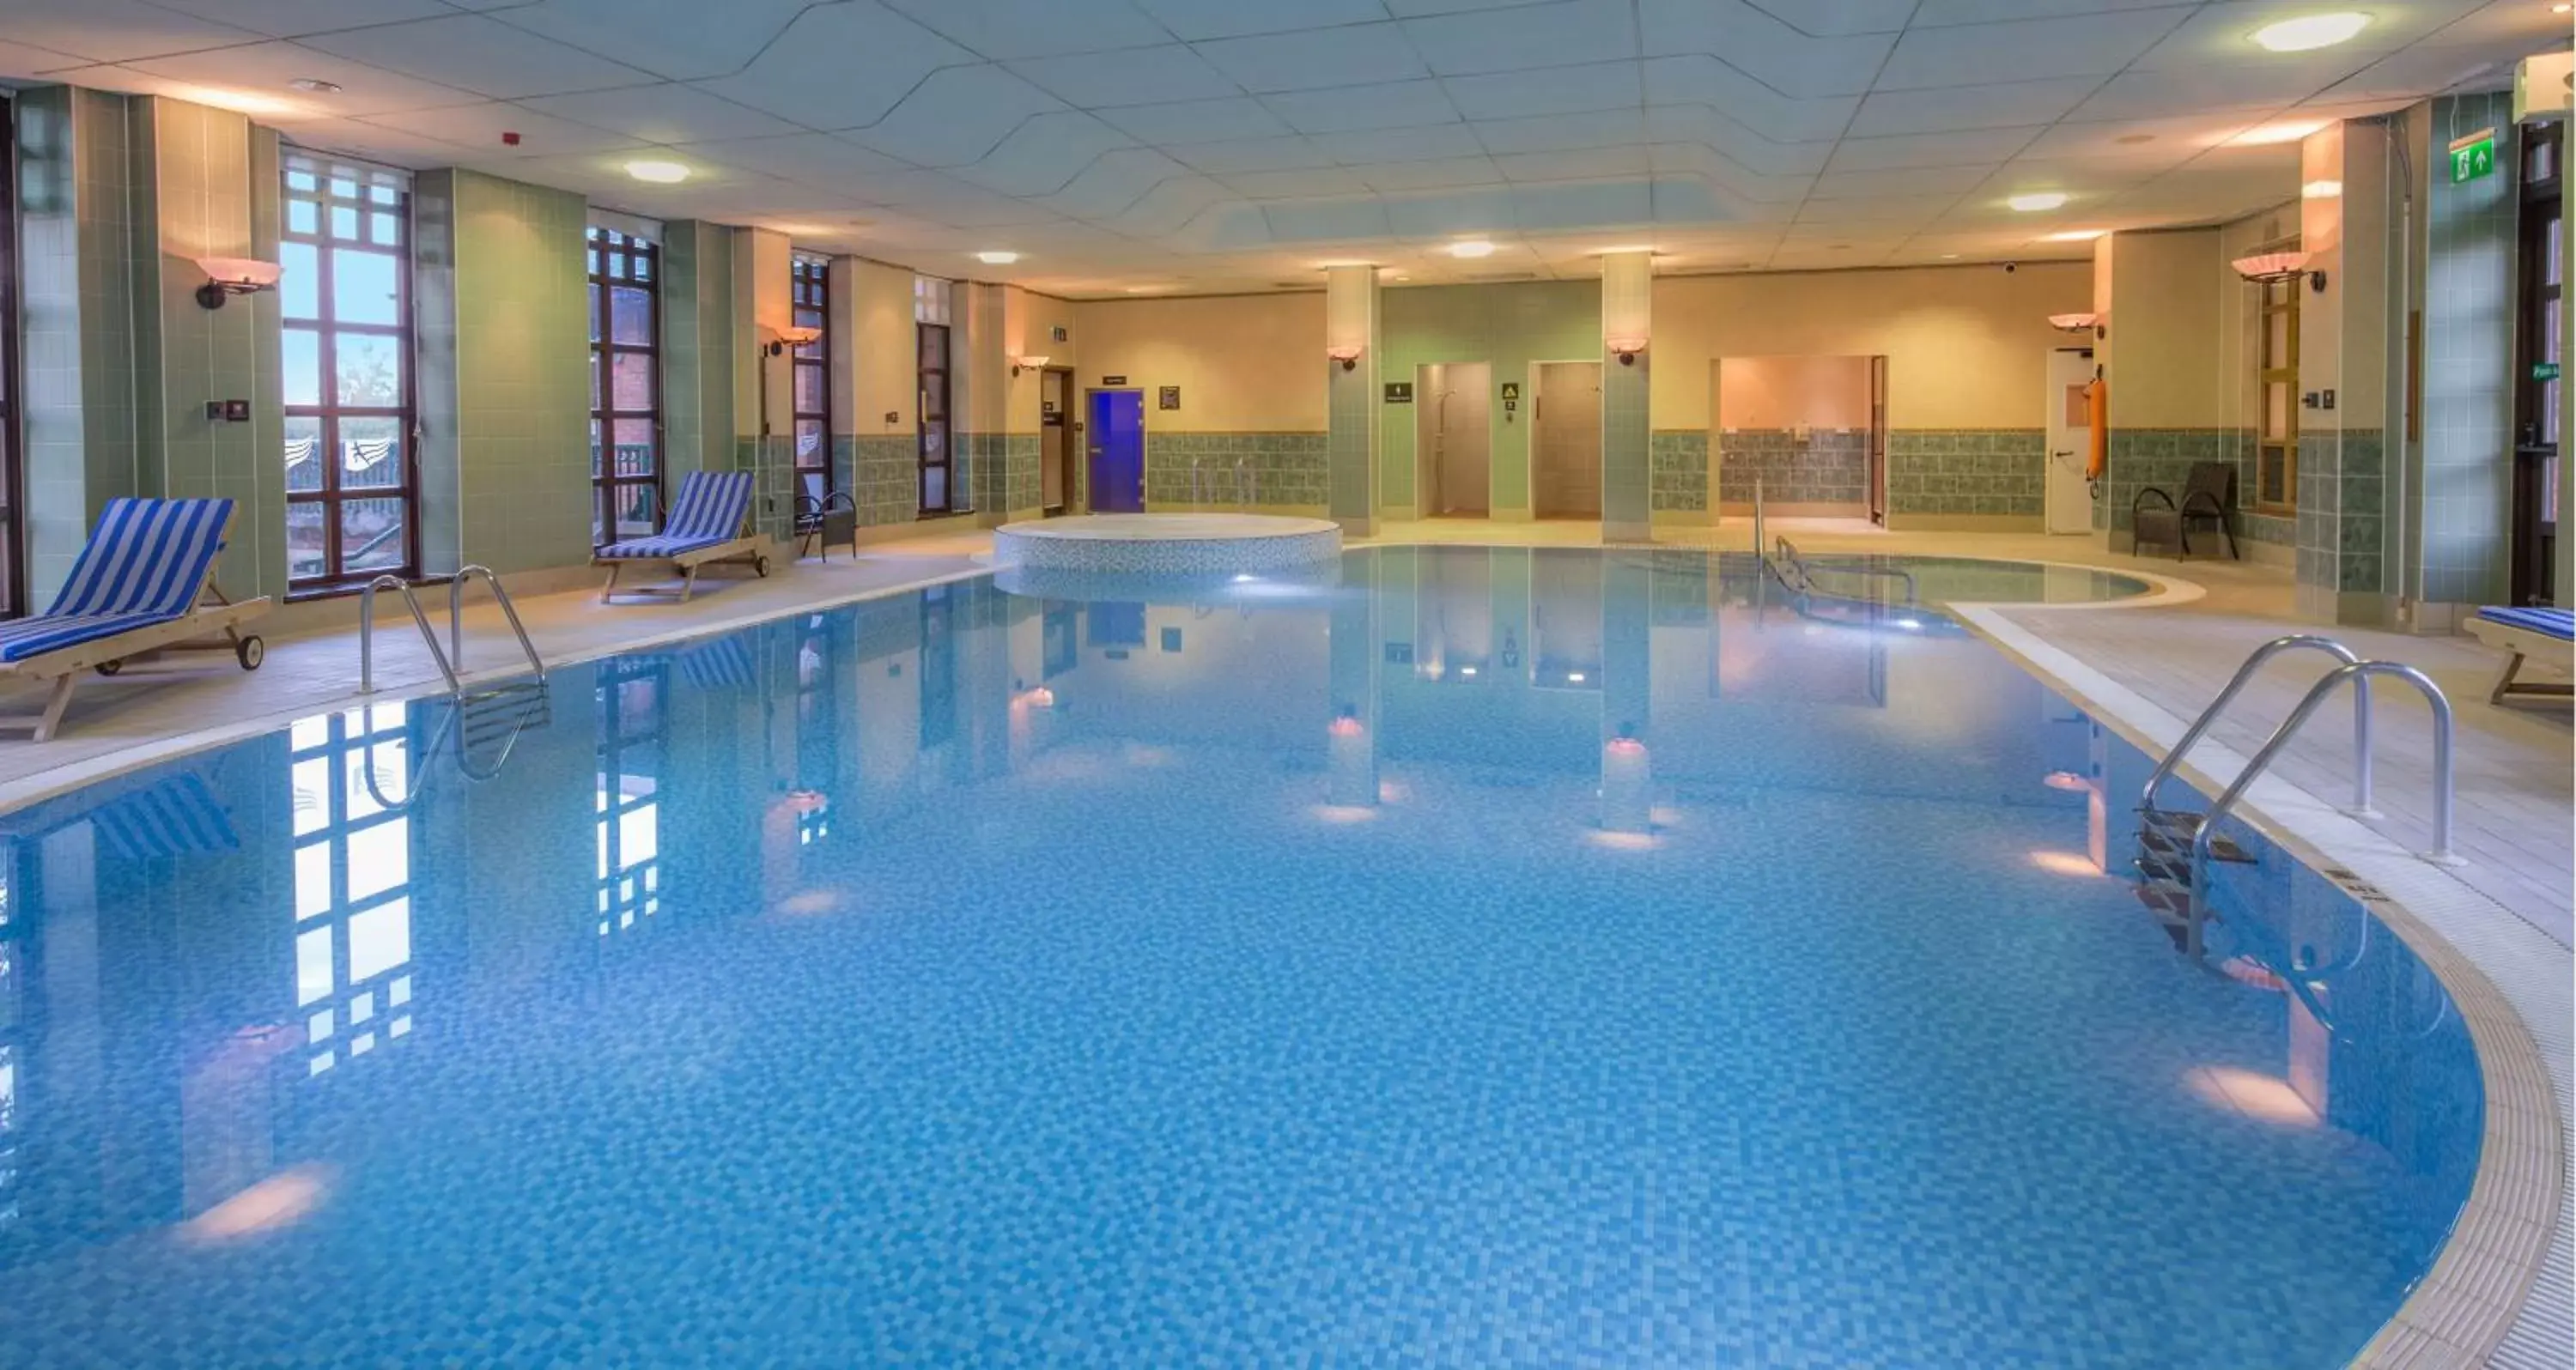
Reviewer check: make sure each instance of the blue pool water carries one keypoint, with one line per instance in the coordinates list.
(1497, 958)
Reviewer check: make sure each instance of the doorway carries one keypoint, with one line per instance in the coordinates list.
(1056, 479)
(1807, 434)
(1453, 439)
(1116, 448)
(1565, 440)
(2069, 506)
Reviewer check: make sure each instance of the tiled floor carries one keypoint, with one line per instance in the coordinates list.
(2514, 785)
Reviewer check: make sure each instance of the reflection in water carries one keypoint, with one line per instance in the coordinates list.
(1491, 914)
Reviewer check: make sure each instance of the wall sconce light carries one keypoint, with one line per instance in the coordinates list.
(2099, 325)
(2272, 267)
(1348, 354)
(235, 276)
(1020, 364)
(799, 336)
(1626, 349)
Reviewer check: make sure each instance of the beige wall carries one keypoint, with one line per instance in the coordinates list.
(1966, 346)
(2166, 367)
(880, 355)
(1028, 321)
(1244, 363)
(1785, 392)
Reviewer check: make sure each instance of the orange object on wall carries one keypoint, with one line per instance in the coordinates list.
(2097, 404)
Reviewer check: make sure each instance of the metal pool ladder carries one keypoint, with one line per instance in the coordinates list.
(2175, 846)
(452, 657)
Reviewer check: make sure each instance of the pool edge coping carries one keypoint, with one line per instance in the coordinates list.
(2513, 1228)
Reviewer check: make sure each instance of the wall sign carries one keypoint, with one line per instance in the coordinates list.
(1169, 397)
(1511, 390)
(2473, 156)
(1399, 392)
(1113, 380)
(1059, 334)
(2544, 371)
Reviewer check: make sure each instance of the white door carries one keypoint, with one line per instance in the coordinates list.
(2070, 440)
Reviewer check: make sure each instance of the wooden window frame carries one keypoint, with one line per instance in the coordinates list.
(2274, 299)
(810, 300)
(943, 420)
(642, 260)
(328, 329)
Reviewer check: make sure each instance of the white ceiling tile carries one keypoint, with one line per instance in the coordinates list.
(1356, 54)
(1400, 144)
(1308, 181)
(20, 59)
(956, 116)
(1131, 76)
(1973, 54)
(2176, 92)
(372, 142)
(1876, 211)
(938, 195)
(1952, 108)
(111, 30)
(1326, 221)
(1249, 154)
(267, 68)
(1170, 206)
(1930, 149)
(1346, 109)
(1575, 164)
(1113, 182)
(1430, 175)
(480, 127)
(1601, 128)
(1196, 121)
(1194, 20)
(1553, 90)
(2224, 32)
(1950, 181)
(686, 39)
(814, 158)
(1688, 200)
(1541, 35)
(481, 55)
(840, 66)
(1701, 124)
(1704, 80)
(288, 18)
(1044, 154)
(1794, 63)
(1705, 164)
(662, 113)
(1448, 213)
(1006, 30)
(1934, 13)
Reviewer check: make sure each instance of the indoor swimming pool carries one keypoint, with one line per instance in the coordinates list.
(1486, 957)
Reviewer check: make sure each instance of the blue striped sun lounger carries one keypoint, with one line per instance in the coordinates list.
(139, 585)
(2547, 636)
(706, 526)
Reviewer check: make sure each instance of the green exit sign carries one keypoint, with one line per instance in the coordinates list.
(2473, 156)
(2544, 371)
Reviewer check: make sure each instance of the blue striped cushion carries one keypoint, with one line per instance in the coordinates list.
(21, 638)
(147, 556)
(711, 509)
(178, 817)
(2557, 623)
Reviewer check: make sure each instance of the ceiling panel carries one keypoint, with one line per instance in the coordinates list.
(1193, 20)
(1430, 175)
(840, 66)
(1400, 144)
(271, 66)
(1952, 108)
(480, 127)
(1346, 109)
(1044, 154)
(1524, 36)
(1762, 46)
(1930, 149)
(1004, 30)
(1355, 54)
(481, 55)
(814, 158)
(1553, 90)
(1133, 76)
(111, 30)
(1196, 121)
(288, 18)
(662, 113)
(677, 39)
(1977, 54)
(956, 117)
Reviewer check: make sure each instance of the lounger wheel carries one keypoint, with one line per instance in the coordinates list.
(109, 667)
(250, 651)
(761, 566)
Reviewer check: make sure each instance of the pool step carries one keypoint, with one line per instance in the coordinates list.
(2164, 885)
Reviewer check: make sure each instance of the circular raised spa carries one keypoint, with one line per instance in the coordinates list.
(1165, 544)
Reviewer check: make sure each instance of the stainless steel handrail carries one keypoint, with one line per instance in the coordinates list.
(456, 619)
(2358, 672)
(2360, 716)
(1759, 546)
(419, 772)
(1243, 478)
(367, 633)
(1198, 483)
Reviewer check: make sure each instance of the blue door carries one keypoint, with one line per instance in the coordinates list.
(1116, 448)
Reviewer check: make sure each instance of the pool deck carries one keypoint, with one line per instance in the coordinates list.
(2148, 670)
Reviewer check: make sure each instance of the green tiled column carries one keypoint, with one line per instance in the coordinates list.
(697, 349)
(1350, 320)
(2460, 508)
(1627, 471)
(522, 374)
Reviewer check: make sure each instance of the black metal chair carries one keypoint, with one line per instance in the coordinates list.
(2208, 499)
(825, 518)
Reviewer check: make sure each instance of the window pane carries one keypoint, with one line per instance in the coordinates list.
(934, 442)
(934, 487)
(371, 534)
(634, 510)
(303, 216)
(371, 453)
(810, 450)
(370, 370)
(934, 349)
(304, 539)
(299, 285)
(385, 230)
(631, 315)
(934, 397)
(344, 223)
(634, 447)
(302, 358)
(303, 452)
(634, 379)
(364, 289)
(597, 453)
(809, 390)
(594, 311)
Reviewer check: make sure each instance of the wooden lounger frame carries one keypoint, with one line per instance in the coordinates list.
(2522, 646)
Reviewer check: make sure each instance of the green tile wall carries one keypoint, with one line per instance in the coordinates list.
(885, 477)
(697, 348)
(1509, 326)
(1003, 468)
(772, 462)
(1678, 459)
(522, 418)
(1287, 469)
(434, 361)
(1827, 466)
(2343, 501)
(1987, 472)
(2163, 458)
(2465, 504)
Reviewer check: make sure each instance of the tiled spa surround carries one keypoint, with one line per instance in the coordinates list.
(1167, 543)
(1287, 469)
(1820, 466)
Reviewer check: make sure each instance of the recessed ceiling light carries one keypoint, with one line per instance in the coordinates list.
(2269, 134)
(2075, 235)
(659, 173)
(1142, 289)
(2321, 190)
(2311, 31)
(2038, 200)
(314, 85)
(1949, 256)
(1473, 247)
(996, 257)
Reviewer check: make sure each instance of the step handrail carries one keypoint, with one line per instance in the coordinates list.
(2358, 673)
(367, 633)
(510, 611)
(2236, 684)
